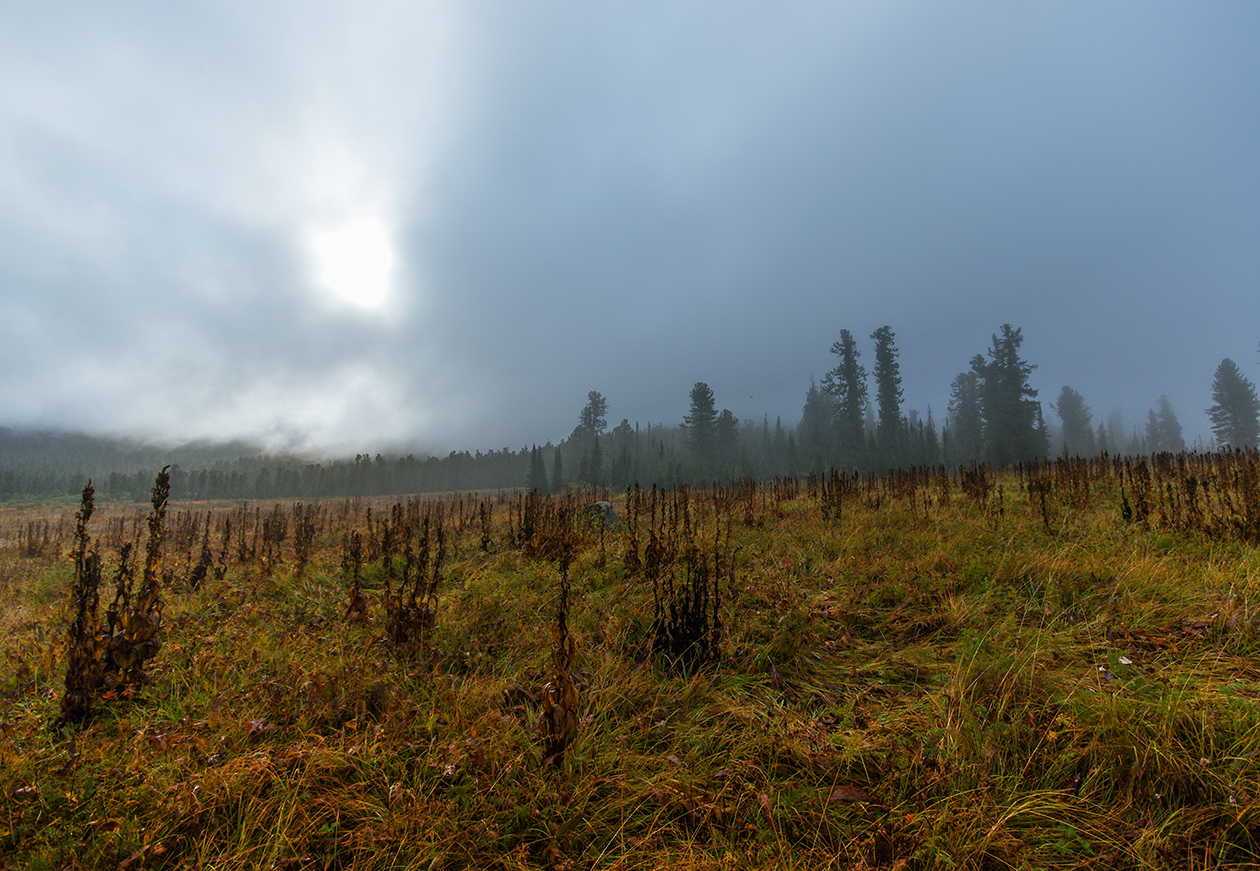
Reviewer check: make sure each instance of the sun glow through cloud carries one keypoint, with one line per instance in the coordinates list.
(354, 260)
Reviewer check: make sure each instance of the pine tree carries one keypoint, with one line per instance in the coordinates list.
(931, 444)
(888, 394)
(966, 423)
(537, 471)
(845, 385)
(1235, 412)
(1170, 437)
(594, 416)
(1013, 427)
(557, 472)
(621, 466)
(816, 427)
(1078, 433)
(701, 423)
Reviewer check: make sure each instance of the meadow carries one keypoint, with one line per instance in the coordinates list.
(1050, 666)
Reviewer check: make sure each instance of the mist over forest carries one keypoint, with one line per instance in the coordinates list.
(411, 228)
(853, 420)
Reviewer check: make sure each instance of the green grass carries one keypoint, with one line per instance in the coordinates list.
(899, 688)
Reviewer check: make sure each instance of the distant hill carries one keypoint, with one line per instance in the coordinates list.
(54, 463)
(54, 451)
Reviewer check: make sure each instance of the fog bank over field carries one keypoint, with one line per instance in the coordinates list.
(335, 227)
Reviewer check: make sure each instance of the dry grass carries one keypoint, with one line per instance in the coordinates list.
(907, 683)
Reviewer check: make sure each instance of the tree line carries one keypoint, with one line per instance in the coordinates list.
(851, 420)
(993, 413)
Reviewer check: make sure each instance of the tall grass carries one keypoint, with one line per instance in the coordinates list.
(987, 669)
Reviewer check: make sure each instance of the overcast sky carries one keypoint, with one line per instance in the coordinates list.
(350, 226)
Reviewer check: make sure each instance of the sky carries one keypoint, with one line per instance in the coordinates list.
(336, 226)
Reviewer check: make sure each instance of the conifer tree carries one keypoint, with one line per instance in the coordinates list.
(931, 442)
(537, 471)
(888, 393)
(557, 472)
(816, 426)
(701, 424)
(846, 386)
(1235, 411)
(594, 417)
(1013, 426)
(1078, 432)
(1169, 428)
(966, 423)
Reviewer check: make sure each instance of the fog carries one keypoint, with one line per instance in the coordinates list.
(341, 227)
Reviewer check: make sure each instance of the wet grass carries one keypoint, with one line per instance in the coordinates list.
(913, 684)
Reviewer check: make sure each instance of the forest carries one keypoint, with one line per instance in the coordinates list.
(851, 420)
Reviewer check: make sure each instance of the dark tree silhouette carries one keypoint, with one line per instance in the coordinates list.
(701, 425)
(593, 419)
(845, 385)
(1012, 416)
(891, 428)
(814, 432)
(585, 438)
(557, 472)
(1078, 433)
(1163, 431)
(1235, 412)
(966, 423)
(537, 471)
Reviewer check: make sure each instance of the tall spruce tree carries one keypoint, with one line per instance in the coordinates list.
(557, 472)
(966, 422)
(701, 425)
(1169, 429)
(1163, 431)
(1013, 426)
(816, 428)
(592, 420)
(537, 471)
(1235, 411)
(845, 385)
(1078, 432)
(890, 434)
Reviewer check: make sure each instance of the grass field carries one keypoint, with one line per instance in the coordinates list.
(1056, 667)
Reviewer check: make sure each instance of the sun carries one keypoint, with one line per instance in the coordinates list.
(354, 261)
